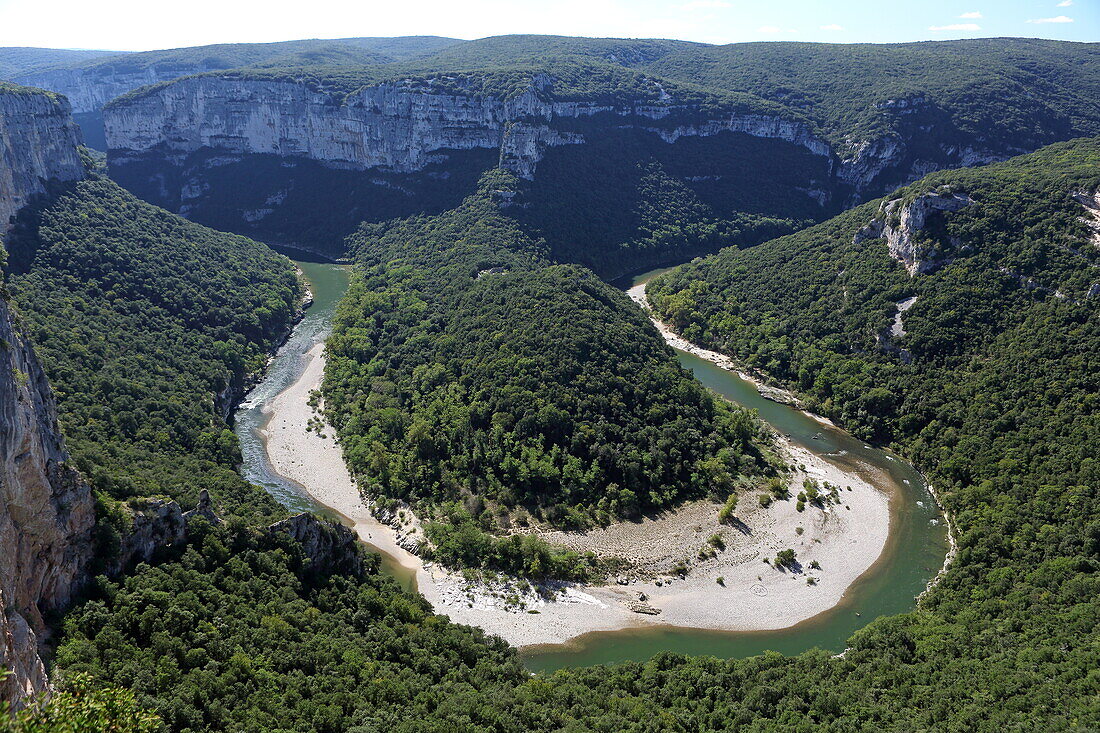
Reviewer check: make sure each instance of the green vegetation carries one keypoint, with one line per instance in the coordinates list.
(148, 326)
(16, 60)
(725, 514)
(785, 558)
(81, 706)
(464, 366)
(237, 635)
(460, 542)
(997, 402)
(1009, 91)
(626, 201)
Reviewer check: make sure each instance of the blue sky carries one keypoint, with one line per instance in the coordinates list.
(147, 24)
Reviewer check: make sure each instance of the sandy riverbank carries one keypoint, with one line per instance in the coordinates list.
(845, 539)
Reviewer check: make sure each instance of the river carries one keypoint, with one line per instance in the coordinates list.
(913, 554)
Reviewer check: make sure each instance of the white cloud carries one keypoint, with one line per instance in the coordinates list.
(1056, 19)
(832, 27)
(956, 27)
(1065, 4)
(975, 15)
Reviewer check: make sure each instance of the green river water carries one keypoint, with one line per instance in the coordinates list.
(914, 552)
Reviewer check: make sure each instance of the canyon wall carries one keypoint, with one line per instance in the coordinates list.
(46, 509)
(401, 126)
(38, 142)
(89, 88)
(283, 161)
(46, 514)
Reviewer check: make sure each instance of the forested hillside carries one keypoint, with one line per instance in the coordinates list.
(464, 365)
(991, 389)
(239, 634)
(16, 60)
(149, 327)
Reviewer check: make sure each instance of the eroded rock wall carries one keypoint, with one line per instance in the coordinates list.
(402, 126)
(38, 142)
(46, 514)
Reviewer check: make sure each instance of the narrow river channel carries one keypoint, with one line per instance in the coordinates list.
(913, 555)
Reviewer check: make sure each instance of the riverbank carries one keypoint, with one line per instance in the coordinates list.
(843, 539)
(775, 394)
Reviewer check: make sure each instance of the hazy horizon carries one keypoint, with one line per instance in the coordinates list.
(128, 25)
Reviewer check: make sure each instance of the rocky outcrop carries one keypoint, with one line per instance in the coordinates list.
(402, 126)
(38, 142)
(156, 525)
(327, 547)
(1090, 201)
(46, 514)
(89, 88)
(915, 146)
(900, 220)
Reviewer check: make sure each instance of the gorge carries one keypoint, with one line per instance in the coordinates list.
(591, 517)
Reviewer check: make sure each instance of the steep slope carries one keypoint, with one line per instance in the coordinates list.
(957, 319)
(775, 131)
(150, 327)
(46, 509)
(305, 156)
(46, 515)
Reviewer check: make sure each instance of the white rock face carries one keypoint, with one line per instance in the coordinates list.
(46, 510)
(898, 222)
(46, 514)
(89, 89)
(1090, 200)
(400, 126)
(37, 143)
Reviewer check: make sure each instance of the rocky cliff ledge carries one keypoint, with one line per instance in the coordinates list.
(46, 509)
(46, 514)
(900, 222)
(88, 89)
(38, 142)
(401, 126)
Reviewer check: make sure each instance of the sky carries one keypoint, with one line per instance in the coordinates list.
(136, 25)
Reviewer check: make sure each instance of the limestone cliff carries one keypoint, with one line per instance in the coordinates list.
(401, 126)
(46, 509)
(900, 222)
(89, 87)
(38, 142)
(327, 547)
(46, 513)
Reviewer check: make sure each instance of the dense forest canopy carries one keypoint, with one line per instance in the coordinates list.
(237, 634)
(148, 325)
(992, 388)
(465, 366)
